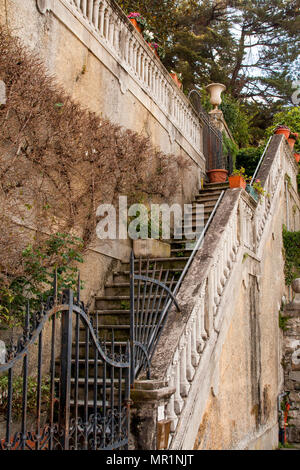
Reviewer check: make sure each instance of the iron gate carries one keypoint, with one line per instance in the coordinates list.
(75, 389)
(150, 301)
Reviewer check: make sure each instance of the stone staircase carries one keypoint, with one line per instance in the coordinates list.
(112, 309)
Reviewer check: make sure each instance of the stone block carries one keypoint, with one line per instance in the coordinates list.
(151, 248)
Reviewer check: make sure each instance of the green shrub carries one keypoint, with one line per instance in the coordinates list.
(248, 158)
(291, 243)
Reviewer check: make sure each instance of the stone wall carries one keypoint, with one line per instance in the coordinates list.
(291, 366)
(95, 53)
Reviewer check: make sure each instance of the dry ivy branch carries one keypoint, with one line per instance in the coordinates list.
(58, 162)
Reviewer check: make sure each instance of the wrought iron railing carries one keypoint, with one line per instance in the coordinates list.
(85, 402)
(212, 137)
(151, 300)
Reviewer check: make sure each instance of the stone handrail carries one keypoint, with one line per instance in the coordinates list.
(105, 20)
(189, 339)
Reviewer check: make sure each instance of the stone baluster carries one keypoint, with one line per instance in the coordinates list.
(116, 40)
(178, 401)
(111, 30)
(190, 371)
(106, 28)
(170, 411)
(84, 7)
(101, 18)
(184, 384)
(138, 61)
(135, 51)
(96, 14)
(90, 8)
(146, 77)
(195, 332)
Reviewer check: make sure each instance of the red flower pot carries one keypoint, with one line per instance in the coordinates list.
(297, 157)
(217, 176)
(153, 49)
(291, 143)
(135, 24)
(285, 131)
(237, 181)
(176, 80)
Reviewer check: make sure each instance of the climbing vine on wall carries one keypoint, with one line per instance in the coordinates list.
(291, 242)
(58, 162)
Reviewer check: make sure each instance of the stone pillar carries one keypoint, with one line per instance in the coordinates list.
(149, 399)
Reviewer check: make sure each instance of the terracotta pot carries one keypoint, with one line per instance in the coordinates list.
(135, 24)
(285, 132)
(237, 181)
(291, 143)
(297, 157)
(217, 176)
(153, 49)
(176, 80)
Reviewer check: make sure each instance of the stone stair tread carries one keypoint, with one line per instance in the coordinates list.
(152, 260)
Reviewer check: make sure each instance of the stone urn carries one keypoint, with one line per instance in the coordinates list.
(215, 90)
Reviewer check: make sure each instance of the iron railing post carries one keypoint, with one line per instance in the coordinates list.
(132, 332)
(65, 372)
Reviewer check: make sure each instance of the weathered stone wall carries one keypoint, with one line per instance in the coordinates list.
(291, 366)
(89, 69)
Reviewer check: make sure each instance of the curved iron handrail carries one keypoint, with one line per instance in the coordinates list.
(60, 308)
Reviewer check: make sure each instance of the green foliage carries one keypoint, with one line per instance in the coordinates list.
(17, 396)
(282, 322)
(230, 149)
(236, 119)
(248, 158)
(291, 243)
(59, 252)
(289, 117)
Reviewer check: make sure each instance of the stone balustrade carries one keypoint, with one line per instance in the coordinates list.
(110, 26)
(242, 233)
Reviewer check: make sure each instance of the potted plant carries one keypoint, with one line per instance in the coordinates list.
(137, 20)
(283, 130)
(292, 139)
(148, 247)
(255, 190)
(238, 179)
(217, 176)
(177, 77)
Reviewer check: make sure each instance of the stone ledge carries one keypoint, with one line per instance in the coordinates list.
(152, 395)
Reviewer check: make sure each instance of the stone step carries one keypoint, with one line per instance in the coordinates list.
(216, 185)
(168, 263)
(122, 288)
(123, 276)
(110, 302)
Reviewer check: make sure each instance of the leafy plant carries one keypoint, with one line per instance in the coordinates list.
(240, 172)
(258, 187)
(291, 243)
(59, 252)
(248, 158)
(17, 395)
(230, 148)
(139, 19)
(290, 117)
(283, 321)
